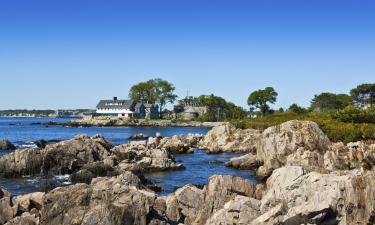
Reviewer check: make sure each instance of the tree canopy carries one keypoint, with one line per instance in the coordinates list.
(364, 95)
(296, 109)
(261, 98)
(328, 101)
(153, 91)
(218, 109)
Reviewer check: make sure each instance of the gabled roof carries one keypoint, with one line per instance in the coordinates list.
(115, 104)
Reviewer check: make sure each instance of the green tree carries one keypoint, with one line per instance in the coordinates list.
(143, 92)
(163, 92)
(155, 91)
(364, 95)
(328, 101)
(260, 99)
(296, 109)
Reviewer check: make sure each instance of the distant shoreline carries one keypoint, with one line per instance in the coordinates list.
(115, 122)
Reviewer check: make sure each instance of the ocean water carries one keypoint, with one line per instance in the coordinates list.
(199, 166)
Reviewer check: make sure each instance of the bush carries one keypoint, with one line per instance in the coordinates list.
(335, 130)
(355, 115)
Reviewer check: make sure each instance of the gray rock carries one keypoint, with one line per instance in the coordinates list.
(6, 145)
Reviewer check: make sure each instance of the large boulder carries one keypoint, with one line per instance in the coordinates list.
(64, 157)
(244, 162)
(315, 198)
(6, 145)
(21, 162)
(283, 143)
(139, 157)
(68, 156)
(7, 211)
(191, 205)
(115, 200)
(227, 138)
(177, 144)
(241, 210)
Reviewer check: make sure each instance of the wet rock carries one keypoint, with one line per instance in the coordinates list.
(41, 143)
(139, 136)
(226, 138)
(6, 145)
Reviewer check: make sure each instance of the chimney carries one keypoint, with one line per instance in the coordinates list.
(114, 98)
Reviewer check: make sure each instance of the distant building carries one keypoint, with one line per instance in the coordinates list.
(67, 113)
(127, 108)
(189, 109)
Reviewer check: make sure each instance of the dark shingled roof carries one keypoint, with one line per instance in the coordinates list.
(116, 104)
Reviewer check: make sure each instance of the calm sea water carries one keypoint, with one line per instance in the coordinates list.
(199, 166)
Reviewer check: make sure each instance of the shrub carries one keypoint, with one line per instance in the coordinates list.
(335, 130)
(355, 115)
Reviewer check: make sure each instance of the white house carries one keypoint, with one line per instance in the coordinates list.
(126, 108)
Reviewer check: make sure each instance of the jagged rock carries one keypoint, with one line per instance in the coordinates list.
(314, 198)
(140, 136)
(68, 156)
(27, 202)
(7, 211)
(184, 143)
(191, 205)
(292, 142)
(226, 138)
(21, 162)
(139, 157)
(92, 170)
(185, 204)
(25, 219)
(245, 162)
(241, 210)
(109, 201)
(6, 145)
(41, 143)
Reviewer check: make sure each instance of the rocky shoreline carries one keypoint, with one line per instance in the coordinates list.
(116, 122)
(306, 179)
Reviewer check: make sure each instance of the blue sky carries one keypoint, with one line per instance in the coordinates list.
(69, 54)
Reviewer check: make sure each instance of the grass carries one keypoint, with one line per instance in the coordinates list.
(335, 130)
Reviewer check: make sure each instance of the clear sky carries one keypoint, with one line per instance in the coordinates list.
(71, 53)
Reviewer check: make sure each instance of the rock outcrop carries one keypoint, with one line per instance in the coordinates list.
(227, 138)
(23, 209)
(245, 162)
(68, 156)
(139, 157)
(302, 143)
(177, 144)
(87, 158)
(21, 162)
(61, 158)
(6, 145)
